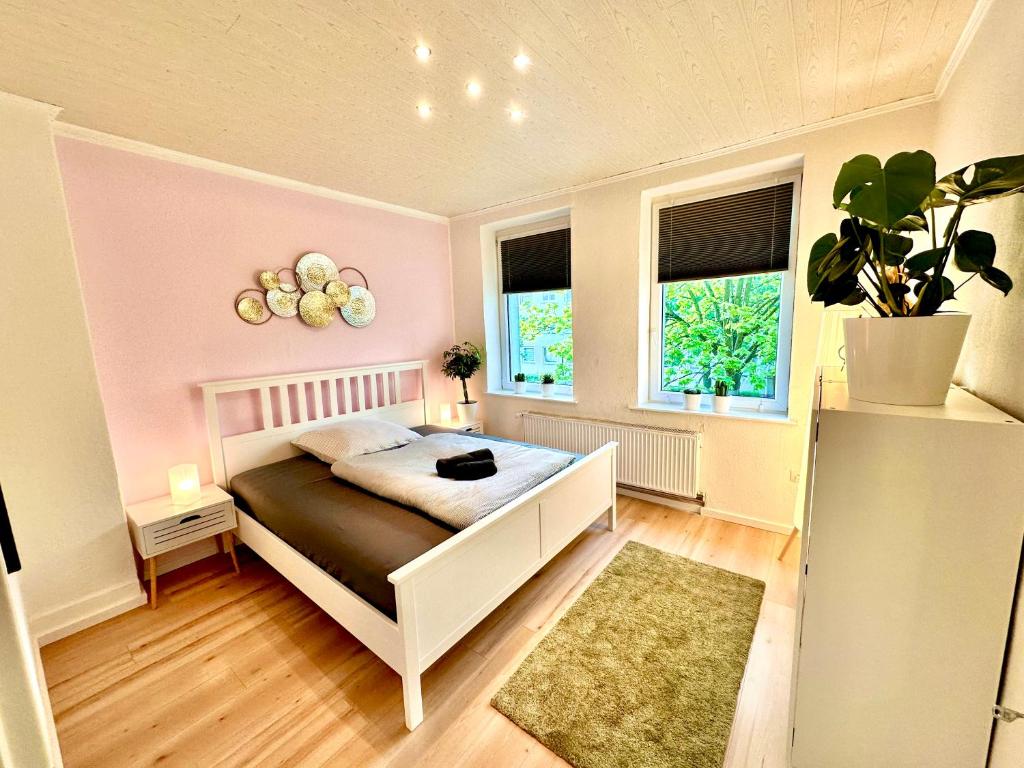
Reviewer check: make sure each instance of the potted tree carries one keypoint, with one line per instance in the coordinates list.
(693, 397)
(520, 383)
(461, 362)
(722, 399)
(908, 353)
(547, 385)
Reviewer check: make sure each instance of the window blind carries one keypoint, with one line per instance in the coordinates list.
(731, 235)
(540, 262)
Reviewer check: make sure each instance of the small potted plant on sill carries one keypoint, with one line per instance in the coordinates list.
(547, 385)
(461, 362)
(520, 382)
(908, 353)
(693, 396)
(722, 400)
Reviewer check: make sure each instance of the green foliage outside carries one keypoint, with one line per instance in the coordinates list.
(727, 328)
(550, 317)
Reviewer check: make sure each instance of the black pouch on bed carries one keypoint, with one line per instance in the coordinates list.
(446, 467)
(474, 470)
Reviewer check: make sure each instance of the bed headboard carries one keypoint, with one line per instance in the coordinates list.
(294, 403)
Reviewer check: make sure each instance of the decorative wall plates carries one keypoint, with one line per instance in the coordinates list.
(319, 294)
(315, 270)
(317, 309)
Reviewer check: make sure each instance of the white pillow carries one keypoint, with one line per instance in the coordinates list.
(353, 438)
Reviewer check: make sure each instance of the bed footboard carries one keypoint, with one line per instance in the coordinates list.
(445, 592)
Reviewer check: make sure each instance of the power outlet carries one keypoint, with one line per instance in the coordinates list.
(794, 476)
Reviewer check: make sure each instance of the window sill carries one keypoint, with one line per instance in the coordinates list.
(706, 411)
(532, 396)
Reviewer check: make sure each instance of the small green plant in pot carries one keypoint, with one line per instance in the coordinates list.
(520, 383)
(461, 362)
(722, 399)
(693, 397)
(907, 354)
(547, 385)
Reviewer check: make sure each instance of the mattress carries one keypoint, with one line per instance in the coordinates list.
(355, 536)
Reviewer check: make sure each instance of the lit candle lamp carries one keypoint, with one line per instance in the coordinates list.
(184, 482)
(446, 413)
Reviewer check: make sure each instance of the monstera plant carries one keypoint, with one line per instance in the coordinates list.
(870, 259)
(873, 261)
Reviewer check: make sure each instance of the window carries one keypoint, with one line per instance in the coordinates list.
(722, 293)
(536, 304)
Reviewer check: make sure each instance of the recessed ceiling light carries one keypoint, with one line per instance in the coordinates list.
(516, 115)
(473, 88)
(422, 52)
(521, 61)
(424, 110)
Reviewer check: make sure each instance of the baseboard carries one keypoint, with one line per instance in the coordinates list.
(89, 610)
(753, 522)
(684, 506)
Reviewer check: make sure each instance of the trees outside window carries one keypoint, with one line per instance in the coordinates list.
(723, 328)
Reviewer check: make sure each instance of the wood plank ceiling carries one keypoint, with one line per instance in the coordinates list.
(325, 91)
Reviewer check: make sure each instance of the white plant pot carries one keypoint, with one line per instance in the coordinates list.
(693, 402)
(903, 360)
(721, 403)
(547, 390)
(467, 411)
(520, 387)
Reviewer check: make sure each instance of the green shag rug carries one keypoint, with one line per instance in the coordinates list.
(644, 669)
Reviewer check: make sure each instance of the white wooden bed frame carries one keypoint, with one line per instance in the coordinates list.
(446, 591)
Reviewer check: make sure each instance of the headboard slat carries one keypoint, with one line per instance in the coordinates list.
(300, 392)
(318, 399)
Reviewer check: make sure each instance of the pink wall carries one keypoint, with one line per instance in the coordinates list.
(162, 251)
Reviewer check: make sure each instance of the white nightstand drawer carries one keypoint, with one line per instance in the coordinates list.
(173, 532)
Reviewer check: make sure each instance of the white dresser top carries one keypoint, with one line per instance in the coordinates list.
(960, 405)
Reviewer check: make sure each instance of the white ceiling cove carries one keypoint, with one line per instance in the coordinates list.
(325, 91)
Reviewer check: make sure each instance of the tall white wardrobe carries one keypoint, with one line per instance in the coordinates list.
(912, 543)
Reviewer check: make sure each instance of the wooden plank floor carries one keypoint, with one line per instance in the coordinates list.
(245, 671)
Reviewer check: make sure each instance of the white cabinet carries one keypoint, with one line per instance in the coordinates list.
(913, 530)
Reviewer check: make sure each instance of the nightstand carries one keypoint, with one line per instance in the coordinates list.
(160, 526)
(464, 426)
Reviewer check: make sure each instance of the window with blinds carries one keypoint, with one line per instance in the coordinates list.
(537, 262)
(739, 234)
(722, 286)
(535, 275)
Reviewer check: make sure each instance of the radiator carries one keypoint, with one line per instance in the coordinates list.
(664, 461)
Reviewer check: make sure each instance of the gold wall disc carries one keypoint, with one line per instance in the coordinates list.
(338, 292)
(316, 309)
(250, 309)
(269, 280)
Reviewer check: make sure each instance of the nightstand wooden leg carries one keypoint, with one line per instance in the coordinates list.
(152, 582)
(229, 542)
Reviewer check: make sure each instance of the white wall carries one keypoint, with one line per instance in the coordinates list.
(747, 464)
(56, 464)
(979, 116)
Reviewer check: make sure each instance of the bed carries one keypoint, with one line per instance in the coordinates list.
(405, 585)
